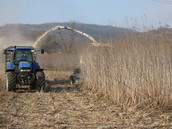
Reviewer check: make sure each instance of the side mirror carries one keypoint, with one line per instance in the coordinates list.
(42, 51)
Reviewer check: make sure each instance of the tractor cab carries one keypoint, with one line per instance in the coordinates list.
(21, 65)
(23, 55)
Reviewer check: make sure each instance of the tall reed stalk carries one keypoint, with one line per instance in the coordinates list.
(134, 71)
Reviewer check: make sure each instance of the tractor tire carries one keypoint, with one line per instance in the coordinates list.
(33, 85)
(10, 81)
(40, 81)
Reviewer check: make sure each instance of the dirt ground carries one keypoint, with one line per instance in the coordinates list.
(67, 106)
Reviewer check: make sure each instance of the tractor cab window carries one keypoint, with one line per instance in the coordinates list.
(23, 55)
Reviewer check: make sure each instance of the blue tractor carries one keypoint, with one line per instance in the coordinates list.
(22, 70)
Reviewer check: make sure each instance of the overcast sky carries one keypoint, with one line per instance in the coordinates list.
(123, 13)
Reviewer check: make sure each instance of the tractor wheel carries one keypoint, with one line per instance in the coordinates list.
(33, 85)
(10, 81)
(40, 81)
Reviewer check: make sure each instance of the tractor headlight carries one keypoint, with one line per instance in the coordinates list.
(25, 70)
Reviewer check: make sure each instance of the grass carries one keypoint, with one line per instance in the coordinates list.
(69, 106)
(133, 72)
(72, 109)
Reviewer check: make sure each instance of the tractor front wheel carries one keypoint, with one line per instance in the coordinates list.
(10, 81)
(40, 81)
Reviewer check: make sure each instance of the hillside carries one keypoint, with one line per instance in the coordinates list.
(18, 33)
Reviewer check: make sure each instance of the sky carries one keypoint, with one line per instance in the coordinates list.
(122, 13)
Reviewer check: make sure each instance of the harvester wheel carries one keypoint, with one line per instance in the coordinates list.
(40, 81)
(10, 81)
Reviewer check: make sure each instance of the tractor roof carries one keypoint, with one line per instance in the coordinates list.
(12, 48)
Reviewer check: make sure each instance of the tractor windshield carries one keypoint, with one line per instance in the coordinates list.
(23, 55)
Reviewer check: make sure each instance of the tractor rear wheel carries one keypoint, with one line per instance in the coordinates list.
(40, 81)
(10, 81)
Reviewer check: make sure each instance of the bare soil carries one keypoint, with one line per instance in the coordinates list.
(72, 106)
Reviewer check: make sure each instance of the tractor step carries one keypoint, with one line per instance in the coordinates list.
(23, 87)
(24, 90)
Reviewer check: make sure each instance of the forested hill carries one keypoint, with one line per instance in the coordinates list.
(32, 31)
(26, 34)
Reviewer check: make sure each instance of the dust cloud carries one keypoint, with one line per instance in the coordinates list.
(11, 37)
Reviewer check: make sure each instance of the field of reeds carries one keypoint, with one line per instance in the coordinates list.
(127, 84)
(133, 72)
